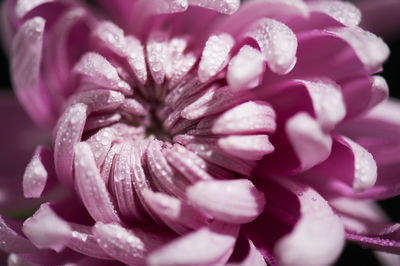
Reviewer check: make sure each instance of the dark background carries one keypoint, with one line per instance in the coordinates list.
(353, 254)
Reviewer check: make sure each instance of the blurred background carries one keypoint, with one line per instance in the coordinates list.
(353, 254)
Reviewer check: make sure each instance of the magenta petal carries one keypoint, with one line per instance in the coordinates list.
(344, 12)
(83, 241)
(307, 243)
(23, 7)
(128, 246)
(46, 230)
(98, 99)
(11, 238)
(68, 132)
(311, 144)
(251, 147)
(91, 187)
(206, 246)
(37, 172)
(25, 65)
(232, 201)
(215, 56)
(223, 6)
(270, 35)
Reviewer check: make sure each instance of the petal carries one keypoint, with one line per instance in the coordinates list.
(380, 90)
(248, 117)
(251, 147)
(23, 7)
(311, 144)
(46, 230)
(231, 201)
(11, 238)
(215, 56)
(95, 69)
(136, 60)
(277, 42)
(130, 247)
(344, 12)
(68, 132)
(209, 245)
(157, 52)
(98, 99)
(318, 237)
(252, 258)
(245, 69)
(25, 69)
(37, 172)
(371, 49)
(223, 6)
(91, 187)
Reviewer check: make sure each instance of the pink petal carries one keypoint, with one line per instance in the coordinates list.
(136, 60)
(130, 247)
(101, 120)
(25, 69)
(98, 99)
(311, 144)
(122, 184)
(83, 241)
(68, 132)
(206, 246)
(318, 237)
(277, 42)
(91, 187)
(251, 11)
(215, 56)
(95, 69)
(251, 147)
(157, 51)
(109, 35)
(371, 49)
(253, 257)
(248, 117)
(231, 201)
(344, 12)
(245, 69)
(11, 238)
(100, 144)
(175, 213)
(187, 163)
(46, 230)
(23, 7)
(37, 172)
(380, 90)
(213, 101)
(223, 6)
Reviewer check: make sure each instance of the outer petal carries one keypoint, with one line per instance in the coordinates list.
(46, 230)
(12, 239)
(318, 237)
(231, 201)
(25, 69)
(209, 245)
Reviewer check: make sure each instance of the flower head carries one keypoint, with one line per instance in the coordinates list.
(197, 132)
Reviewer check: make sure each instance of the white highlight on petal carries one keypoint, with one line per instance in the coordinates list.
(207, 246)
(365, 169)
(231, 201)
(223, 6)
(157, 52)
(215, 55)
(46, 230)
(95, 69)
(278, 44)
(35, 176)
(380, 90)
(22, 7)
(169, 6)
(317, 238)
(370, 48)
(248, 117)
(344, 12)
(136, 60)
(311, 144)
(245, 69)
(248, 147)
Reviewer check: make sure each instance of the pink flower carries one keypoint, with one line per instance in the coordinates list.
(195, 132)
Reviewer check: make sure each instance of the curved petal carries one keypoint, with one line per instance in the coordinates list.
(251, 147)
(223, 6)
(37, 172)
(91, 187)
(12, 240)
(317, 238)
(209, 245)
(231, 201)
(128, 246)
(46, 230)
(26, 62)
